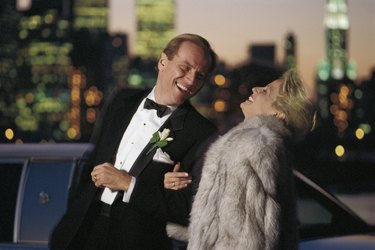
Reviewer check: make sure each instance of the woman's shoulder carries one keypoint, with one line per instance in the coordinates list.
(258, 132)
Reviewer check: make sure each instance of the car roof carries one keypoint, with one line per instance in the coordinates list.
(44, 150)
(349, 242)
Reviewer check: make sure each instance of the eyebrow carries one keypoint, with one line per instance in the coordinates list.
(191, 66)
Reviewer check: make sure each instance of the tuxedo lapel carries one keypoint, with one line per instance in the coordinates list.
(124, 113)
(175, 122)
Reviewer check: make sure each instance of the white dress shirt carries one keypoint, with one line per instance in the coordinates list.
(142, 126)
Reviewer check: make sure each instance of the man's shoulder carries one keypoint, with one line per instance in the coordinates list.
(127, 93)
(198, 118)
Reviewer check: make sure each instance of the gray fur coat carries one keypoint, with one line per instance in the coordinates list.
(245, 198)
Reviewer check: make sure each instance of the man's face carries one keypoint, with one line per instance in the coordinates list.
(181, 77)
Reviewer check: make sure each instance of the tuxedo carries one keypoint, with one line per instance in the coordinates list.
(140, 223)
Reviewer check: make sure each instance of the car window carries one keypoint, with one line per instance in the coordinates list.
(44, 198)
(10, 174)
(320, 216)
(310, 212)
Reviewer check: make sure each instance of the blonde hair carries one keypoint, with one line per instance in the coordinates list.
(293, 101)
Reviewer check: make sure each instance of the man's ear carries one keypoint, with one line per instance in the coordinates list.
(163, 61)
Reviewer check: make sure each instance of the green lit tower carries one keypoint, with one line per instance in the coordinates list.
(336, 65)
(290, 52)
(336, 74)
(155, 26)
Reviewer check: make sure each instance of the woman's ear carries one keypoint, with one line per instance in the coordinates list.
(163, 61)
(280, 115)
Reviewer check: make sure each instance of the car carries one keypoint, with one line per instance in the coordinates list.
(37, 179)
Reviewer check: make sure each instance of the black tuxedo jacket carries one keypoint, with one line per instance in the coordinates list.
(142, 221)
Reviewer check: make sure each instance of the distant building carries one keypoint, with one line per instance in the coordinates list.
(290, 52)
(57, 64)
(100, 64)
(44, 66)
(9, 19)
(155, 26)
(336, 75)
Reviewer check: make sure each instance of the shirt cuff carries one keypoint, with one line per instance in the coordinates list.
(127, 194)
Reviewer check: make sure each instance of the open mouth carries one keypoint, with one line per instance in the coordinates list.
(183, 88)
(250, 99)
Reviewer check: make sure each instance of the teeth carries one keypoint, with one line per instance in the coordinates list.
(183, 88)
(251, 99)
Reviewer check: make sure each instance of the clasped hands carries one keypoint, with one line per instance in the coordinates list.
(106, 175)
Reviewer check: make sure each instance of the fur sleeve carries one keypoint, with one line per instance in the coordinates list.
(265, 163)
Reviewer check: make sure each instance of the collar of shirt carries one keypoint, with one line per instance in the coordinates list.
(151, 96)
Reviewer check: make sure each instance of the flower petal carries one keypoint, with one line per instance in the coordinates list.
(164, 134)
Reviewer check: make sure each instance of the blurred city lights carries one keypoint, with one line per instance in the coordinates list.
(9, 134)
(339, 150)
(220, 105)
(219, 80)
(359, 133)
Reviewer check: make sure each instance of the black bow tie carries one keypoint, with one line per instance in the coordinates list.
(160, 109)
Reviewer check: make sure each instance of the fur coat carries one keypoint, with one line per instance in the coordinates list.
(245, 198)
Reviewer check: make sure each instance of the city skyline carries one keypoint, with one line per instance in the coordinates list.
(276, 18)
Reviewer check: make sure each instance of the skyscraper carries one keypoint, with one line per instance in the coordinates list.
(336, 74)
(290, 51)
(44, 65)
(91, 15)
(336, 64)
(155, 26)
(9, 19)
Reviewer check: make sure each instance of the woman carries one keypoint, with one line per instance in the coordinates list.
(245, 198)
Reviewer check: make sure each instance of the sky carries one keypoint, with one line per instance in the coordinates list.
(232, 25)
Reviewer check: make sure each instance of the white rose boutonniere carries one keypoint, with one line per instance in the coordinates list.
(160, 139)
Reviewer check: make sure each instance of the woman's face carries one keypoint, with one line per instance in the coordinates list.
(261, 101)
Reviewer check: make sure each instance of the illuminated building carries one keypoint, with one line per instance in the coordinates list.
(91, 15)
(100, 63)
(9, 19)
(336, 74)
(44, 66)
(90, 19)
(155, 26)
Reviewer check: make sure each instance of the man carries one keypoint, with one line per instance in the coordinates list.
(121, 203)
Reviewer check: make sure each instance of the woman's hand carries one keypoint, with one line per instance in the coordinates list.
(176, 180)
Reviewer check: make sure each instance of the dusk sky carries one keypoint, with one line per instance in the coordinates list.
(232, 25)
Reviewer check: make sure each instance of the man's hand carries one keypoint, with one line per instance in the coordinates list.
(176, 180)
(106, 175)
